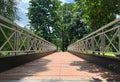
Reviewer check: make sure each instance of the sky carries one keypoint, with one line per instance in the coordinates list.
(23, 9)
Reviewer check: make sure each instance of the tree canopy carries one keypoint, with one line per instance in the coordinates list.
(99, 12)
(56, 22)
(43, 15)
(8, 9)
(65, 23)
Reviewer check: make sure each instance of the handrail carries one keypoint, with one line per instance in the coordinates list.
(104, 40)
(14, 24)
(100, 29)
(17, 40)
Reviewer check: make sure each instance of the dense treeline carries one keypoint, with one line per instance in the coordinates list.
(8, 9)
(63, 24)
(59, 23)
(99, 12)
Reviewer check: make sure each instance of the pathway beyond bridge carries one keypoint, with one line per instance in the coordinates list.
(60, 66)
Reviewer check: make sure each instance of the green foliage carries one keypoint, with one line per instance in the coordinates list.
(99, 12)
(8, 9)
(60, 24)
(66, 14)
(63, 24)
(73, 28)
(43, 15)
(66, 23)
(77, 27)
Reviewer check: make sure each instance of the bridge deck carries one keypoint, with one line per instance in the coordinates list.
(61, 66)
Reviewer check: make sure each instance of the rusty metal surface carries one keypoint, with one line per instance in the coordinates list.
(60, 67)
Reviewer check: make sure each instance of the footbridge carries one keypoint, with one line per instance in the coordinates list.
(25, 56)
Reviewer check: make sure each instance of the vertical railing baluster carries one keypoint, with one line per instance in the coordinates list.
(93, 45)
(83, 46)
(28, 44)
(86, 46)
(16, 41)
(41, 45)
(102, 43)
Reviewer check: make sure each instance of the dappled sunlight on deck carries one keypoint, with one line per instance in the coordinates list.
(62, 66)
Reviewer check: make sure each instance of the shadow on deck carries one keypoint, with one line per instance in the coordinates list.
(60, 66)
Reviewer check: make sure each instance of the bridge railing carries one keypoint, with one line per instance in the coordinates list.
(15, 40)
(105, 40)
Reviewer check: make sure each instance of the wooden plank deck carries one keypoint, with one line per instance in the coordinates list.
(60, 66)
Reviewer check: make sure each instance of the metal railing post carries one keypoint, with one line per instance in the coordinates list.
(102, 49)
(86, 46)
(83, 46)
(28, 43)
(93, 45)
(16, 41)
(78, 47)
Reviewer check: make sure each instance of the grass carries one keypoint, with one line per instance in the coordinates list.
(105, 54)
(110, 54)
(5, 54)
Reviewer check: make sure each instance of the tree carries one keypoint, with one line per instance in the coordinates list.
(73, 28)
(43, 15)
(8, 9)
(99, 12)
(60, 24)
(66, 14)
(77, 28)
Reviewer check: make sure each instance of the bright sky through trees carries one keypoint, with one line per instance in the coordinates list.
(23, 9)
